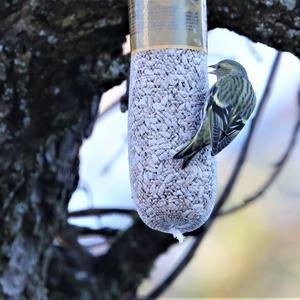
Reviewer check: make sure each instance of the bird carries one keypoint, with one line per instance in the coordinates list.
(231, 103)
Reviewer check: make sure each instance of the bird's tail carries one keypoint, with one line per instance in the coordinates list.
(200, 140)
(185, 152)
(187, 160)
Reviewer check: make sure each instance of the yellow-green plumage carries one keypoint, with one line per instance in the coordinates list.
(200, 140)
(231, 102)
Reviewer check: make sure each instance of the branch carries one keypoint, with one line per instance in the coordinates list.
(86, 231)
(160, 289)
(278, 168)
(107, 167)
(101, 212)
(274, 23)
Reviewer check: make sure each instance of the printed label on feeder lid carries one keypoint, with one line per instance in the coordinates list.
(160, 24)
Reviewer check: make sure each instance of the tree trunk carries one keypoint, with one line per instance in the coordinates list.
(56, 59)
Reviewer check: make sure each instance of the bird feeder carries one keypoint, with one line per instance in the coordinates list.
(167, 97)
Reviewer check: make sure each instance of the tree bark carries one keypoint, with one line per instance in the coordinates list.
(275, 23)
(56, 59)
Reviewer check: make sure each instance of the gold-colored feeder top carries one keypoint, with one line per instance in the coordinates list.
(160, 24)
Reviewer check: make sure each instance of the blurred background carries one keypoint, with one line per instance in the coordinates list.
(252, 253)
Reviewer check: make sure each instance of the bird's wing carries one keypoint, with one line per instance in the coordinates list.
(232, 101)
(219, 113)
(228, 135)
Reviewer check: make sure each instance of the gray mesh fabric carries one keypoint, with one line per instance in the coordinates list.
(168, 90)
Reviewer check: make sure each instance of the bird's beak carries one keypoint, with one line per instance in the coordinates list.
(214, 69)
